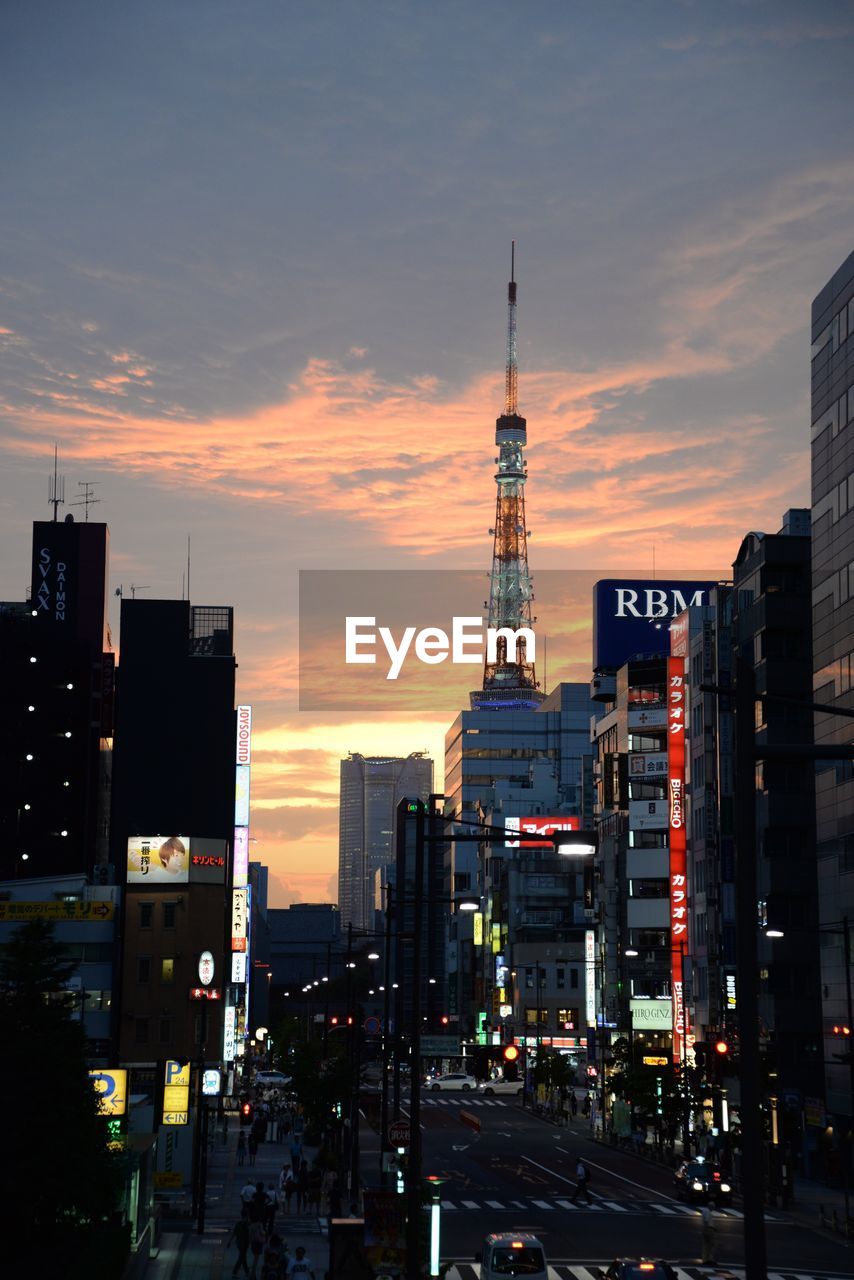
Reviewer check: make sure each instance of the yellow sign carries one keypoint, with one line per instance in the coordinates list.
(112, 1089)
(167, 1179)
(477, 921)
(176, 1092)
(652, 1061)
(95, 911)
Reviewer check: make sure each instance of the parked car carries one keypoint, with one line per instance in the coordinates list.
(699, 1180)
(488, 1087)
(452, 1080)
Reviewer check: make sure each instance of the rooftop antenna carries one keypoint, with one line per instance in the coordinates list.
(120, 591)
(87, 498)
(56, 487)
(188, 566)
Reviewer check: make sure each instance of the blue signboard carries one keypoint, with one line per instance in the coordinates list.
(632, 616)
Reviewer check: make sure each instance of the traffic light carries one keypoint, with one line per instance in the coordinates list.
(444, 1019)
(247, 1114)
(333, 1021)
(842, 1037)
(701, 1056)
(511, 1053)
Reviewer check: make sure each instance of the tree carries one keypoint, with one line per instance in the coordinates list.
(66, 1181)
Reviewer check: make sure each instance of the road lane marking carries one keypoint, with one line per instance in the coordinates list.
(471, 1204)
(495, 1204)
(566, 1204)
(541, 1204)
(665, 1208)
(611, 1174)
(448, 1204)
(609, 1204)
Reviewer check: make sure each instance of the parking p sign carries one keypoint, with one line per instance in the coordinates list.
(111, 1086)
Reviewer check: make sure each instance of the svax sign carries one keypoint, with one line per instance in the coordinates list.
(632, 616)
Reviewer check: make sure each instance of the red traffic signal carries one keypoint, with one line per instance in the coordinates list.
(511, 1053)
(333, 1021)
(721, 1047)
(444, 1019)
(247, 1113)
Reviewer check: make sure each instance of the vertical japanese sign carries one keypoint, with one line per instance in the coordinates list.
(676, 703)
(590, 977)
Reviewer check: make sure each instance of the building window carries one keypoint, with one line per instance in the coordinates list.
(536, 1017)
(561, 978)
(143, 968)
(573, 978)
(97, 1001)
(165, 1030)
(529, 979)
(169, 911)
(167, 969)
(567, 1019)
(146, 915)
(141, 1031)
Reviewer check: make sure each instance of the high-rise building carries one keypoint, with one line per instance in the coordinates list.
(371, 789)
(771, 630)
(174, 786)
(833, 658)
(56, 707)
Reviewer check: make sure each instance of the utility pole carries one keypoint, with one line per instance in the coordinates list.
(746, 921)
(413, 1216)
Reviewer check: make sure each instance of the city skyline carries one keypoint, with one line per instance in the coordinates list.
(260, 302)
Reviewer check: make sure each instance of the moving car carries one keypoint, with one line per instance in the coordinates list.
(489, 1087)
(271, 1078)
(639, 1269)
(452, 1080)
(699, 1180)
(519, 1254)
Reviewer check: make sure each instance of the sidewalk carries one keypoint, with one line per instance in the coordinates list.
(186, 1255)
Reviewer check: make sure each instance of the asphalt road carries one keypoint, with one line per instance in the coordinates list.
(517, 1174)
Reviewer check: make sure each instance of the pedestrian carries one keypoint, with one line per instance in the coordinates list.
(258, 1204)
(315, 1184)
(335, 1200)
(275, 1258)
(302, 1188)
(300, 1265)
(247, 1191)
(257, 1241)
(573, 1104)
(585, 1109)
(253, 1148)
(289, 1190)
(582, 1178)
(270, 1208)
(708, 1234)
(241, 1149)
(240, 1236)
(296, 1155)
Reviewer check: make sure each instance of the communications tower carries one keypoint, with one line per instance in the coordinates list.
(509, 682)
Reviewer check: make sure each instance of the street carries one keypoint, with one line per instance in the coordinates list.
(518, 1174)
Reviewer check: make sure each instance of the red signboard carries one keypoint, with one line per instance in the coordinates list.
(399, 1133)
(205, 993)
(676, 706)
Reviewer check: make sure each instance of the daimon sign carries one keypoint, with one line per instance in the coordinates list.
(399, 1133)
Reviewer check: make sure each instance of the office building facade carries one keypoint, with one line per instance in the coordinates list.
(832, 436)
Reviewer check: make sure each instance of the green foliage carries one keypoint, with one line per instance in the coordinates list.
(66, 1182)
(552, 1069)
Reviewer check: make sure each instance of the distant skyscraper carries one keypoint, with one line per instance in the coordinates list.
(833, 650)
(371, 788)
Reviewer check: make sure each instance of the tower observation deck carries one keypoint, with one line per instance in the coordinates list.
(509, 682)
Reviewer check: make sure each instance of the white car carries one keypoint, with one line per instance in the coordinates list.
(452, 1080)
(489, 1087)
(272, 1078)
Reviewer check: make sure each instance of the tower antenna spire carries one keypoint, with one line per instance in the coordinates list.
(56, 485)
(511, 373)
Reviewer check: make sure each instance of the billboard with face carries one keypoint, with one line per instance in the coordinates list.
(158, 860)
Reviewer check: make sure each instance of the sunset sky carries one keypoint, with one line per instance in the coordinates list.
(253, 280)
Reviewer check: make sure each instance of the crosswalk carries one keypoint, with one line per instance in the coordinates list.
(467, 1101)
(549, 1203)
(591, 1271)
